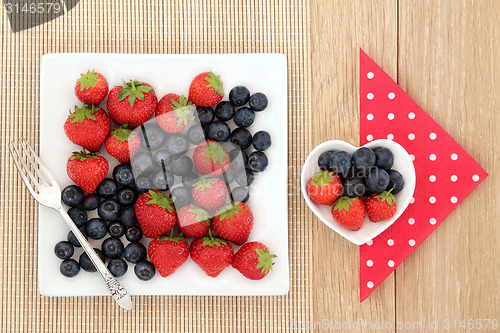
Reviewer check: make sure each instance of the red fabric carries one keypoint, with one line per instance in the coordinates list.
(446, 174)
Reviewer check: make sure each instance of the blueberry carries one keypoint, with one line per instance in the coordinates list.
(143, 183)
(354, 187)
(144, 270)
(340, 163)
(195, 134)
(70, 268)
(123, 175)
(107, 188)
(91, 201)
(396, 181)
(384, 158)
(205, 114)
(116, 229)
(112, 247)
(126, 196)
(239, 96)
(227, 176)
(109, 210)
(189, 179)
(73, 240)
(128, 216)
(72, 195)
(95, 228)
(152, 136)
(117, 267)
(261, 140)
(133, 234)
(244, 117)
(257, 161)
(162, 179)
(377, 180)
(239, 158)
(87, 264)
(241, 137)
(142, 164)
(182, 196)
(240, 194)
(324, 160)
(258, 102)
(64, 250)
(224, 111)
(162, 158)
(363, 159)
(244, 177)
(177, 144)
(218, 131)
(181, 165)
(78, 215)
(135, 252)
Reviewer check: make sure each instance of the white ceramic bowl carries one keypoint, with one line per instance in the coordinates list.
(369, 230)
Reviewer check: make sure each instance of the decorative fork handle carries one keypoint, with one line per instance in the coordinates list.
(117, 291)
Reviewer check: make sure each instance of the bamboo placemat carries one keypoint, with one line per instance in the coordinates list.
(149, 27)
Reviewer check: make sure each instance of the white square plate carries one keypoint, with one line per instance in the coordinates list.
(266, 73)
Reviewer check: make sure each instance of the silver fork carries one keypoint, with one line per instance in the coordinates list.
(44, 188)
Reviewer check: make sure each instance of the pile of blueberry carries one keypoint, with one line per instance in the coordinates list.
(366, 171)
(114, 202)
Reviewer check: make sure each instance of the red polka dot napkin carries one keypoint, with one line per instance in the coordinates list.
(446, 174)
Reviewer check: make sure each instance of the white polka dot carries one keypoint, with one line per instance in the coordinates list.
(411, 115)
(390, 263)
(475, 178)
(432, 136)
(369, 284)
(412, 200)
(432, 221)
(369, 116)
(391, 95)
(390, 116)
(411, 221)
(453, 199)
(432, 157)
(369, 137)
(369, 243)
(454, 156)
(411, 136)
(432, 200)
(411, 242)
(369, 263)
(412, 157)
(390, 137)
(370, 75)
(454, 178)
(390, 242)
(369, 96)
(432, 178)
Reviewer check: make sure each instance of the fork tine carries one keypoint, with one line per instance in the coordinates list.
(16, 158)
(32, 172)
(41, 166)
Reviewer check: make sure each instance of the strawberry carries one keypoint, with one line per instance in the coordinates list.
(210, 193)
(349, 212)
(211, 254)
(206, 89)
(133, 103)
(234, 222)
(324, 187)
(155, 213)
(381, 206)
(167, 253)
(122, 143)
(91, 88)
(87, 170)
(210, 158)
(87, 126)
(193, 221)
(173, 113)
(253, 260)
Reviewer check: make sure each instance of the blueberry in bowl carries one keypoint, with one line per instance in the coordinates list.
(239, 95)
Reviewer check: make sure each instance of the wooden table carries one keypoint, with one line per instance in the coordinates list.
(446, 56)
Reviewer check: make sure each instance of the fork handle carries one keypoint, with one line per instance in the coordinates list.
(120, 295)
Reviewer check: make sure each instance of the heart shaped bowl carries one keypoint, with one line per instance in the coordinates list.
(369, 230)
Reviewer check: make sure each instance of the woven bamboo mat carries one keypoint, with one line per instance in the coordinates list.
(149, 27)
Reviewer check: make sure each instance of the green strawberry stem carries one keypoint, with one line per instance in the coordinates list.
(387, 196)
(215, 152)
(88, 80)
(213, 241)
(201, 214)
(122, 133)
(172, 238)
(133, 90)
(215, 82)
(204, 183)
(160, 199)
(343, 203)
(229, 210)
(83, 155)
(80, 114)
(322, 177)
(265, 260)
